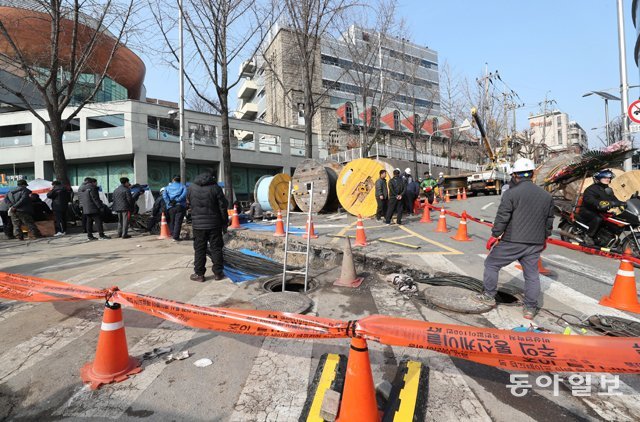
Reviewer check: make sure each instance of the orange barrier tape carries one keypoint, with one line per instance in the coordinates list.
(237, 321)
(508, 349)
(505, 349)
(34, 289)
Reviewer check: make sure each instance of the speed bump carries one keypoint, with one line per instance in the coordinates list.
(408, 399)
(329, 376)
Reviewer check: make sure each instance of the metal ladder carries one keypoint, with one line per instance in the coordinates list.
(286, 240)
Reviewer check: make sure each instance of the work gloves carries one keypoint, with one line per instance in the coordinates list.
(492, 242)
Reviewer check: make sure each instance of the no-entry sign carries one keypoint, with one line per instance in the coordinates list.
(634, 111)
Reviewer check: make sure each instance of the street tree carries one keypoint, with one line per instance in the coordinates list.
(309, 22)
(454, 106)
(71, 47)
(219, 33)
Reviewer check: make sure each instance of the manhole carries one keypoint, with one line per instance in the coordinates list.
(504, 297)
(295, 284)
(456, 299)
(293, 302)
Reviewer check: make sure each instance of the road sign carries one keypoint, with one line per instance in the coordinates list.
(634, 128)
(634, 111)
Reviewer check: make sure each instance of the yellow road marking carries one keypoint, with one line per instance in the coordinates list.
(327, 377)
(343, 231)
(369, 227)
(409, 393)
(433, 242)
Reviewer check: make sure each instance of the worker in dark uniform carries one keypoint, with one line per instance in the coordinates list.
(597, 198)
(382, 195)
(396, 195)
(522, 225)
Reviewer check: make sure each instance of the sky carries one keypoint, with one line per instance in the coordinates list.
(558, 48)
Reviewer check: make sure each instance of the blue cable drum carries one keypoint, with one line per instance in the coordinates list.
(261, 192)
(271, 192)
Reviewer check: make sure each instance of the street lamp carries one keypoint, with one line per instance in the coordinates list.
(463, 127)
(606, 96)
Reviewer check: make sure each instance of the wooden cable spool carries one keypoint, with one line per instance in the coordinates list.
(356, 185)
(272, 192)
(324, 179)
(626, 184)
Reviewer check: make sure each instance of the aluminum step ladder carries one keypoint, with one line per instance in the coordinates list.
(285, 271)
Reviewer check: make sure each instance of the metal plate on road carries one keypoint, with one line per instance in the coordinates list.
(283, 302)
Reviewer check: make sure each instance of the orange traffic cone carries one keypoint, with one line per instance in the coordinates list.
(459, 196)
(447, 199)
(623, 294)
(462, 235)
(309, 231)
(164, 228)
(279, 226)
(464, 194)
(112, 362)
(442, 223)
(348, 276)
(426, 214)
(359, 395)
(235, 220)
(361, 238)
(541, 268)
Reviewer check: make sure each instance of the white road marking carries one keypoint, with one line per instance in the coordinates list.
(580, 268)
(487, 206)
(111, 401)
(450, 397)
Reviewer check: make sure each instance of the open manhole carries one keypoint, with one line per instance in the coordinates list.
(505, 297)
(295, 284)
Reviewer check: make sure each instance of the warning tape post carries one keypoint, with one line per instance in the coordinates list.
(494, 347)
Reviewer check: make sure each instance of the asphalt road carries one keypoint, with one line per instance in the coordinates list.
(257, 379)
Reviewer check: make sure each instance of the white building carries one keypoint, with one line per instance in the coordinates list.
(140, 140)
(558, 133)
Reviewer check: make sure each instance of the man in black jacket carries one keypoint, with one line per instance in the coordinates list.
(60, 197)
(522, 225)
(382, 195)
(21, 210)
(396, 195)
(92, 207)
(597, 198)
(209, 221)
(41, 210)
(123, 205)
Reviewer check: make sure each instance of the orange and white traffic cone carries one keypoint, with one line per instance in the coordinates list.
(164, 228)
(624, 294)
(442, 223)
(461, 235)
(235, 220)
(447, 199)
(464, 194)
(426, 214)
(309, 231)
(361, 238)
(112, 362)
(416, 206)
(435, 199)
(348, 275)
(279, 226)
(359, 395)
(459, 196)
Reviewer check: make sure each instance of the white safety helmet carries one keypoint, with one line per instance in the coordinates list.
(407, 170)
(162, 189)
(523, 165)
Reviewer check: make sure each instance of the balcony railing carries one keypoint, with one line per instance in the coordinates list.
(15, 141)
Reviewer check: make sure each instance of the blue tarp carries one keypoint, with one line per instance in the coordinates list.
(271, 228)
(238, 276)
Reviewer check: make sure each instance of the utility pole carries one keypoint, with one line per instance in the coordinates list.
(544, 104)
(511, 106)
(183, 164)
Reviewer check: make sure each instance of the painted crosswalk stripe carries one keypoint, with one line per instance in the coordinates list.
(579, 268)
(450, 397)
(111, 401)
(46, 343)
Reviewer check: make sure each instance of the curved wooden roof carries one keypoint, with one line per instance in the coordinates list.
(30, 30)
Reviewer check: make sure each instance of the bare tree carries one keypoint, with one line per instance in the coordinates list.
(310, 21)
(196, 103)
(219, 34)
(83, 38)
(368, 67)
(453, 106)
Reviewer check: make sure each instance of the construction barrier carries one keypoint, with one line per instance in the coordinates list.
(494, 347)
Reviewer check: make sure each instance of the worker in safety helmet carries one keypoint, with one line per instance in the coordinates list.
(522, 225)
(597, 198)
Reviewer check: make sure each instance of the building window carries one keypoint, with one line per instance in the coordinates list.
(373, 122)
(242, 139)
(263, 116)
(202, 134)
(396, 120)
(102, 127)
(559, 121)
(15, 135)
(298, 147)
(333, 138)
(300, 113)
(348, 113)
(71, 132)
(559, 137)
(163, 129)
